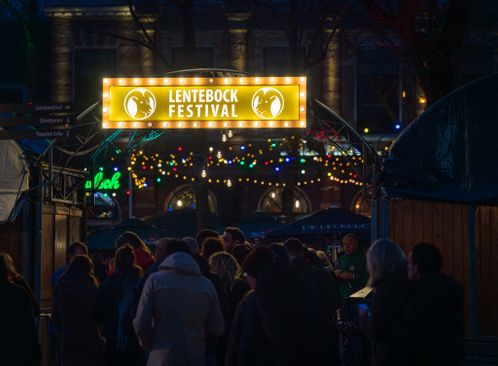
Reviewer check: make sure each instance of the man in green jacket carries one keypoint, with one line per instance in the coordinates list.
(351, 269)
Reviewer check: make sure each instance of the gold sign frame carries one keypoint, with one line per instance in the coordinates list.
(265, 102)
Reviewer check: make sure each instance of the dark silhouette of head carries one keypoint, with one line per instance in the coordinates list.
(425, 260)
(161, 246)
(129, 237)
(204, 234)
(211, 246)
(176, 246)
(256, 262)
(240, 252)
(125, 261)
(232, 236)
(82, 265)
(192, 244)
(75, 249)
(295, 247)
(280, 253)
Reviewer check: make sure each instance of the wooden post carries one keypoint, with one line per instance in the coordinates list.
(471, 246)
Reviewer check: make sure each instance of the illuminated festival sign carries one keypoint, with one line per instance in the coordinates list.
(104, 184)
(179, 103)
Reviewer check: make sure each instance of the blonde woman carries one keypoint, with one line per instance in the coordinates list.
(228, 270)
(226, 267)
(386, 264)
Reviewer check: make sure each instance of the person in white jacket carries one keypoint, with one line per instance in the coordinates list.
(178, 308)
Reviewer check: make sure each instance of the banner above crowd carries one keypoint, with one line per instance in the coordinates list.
(180, 103)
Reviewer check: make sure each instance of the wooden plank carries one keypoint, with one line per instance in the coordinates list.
(483, 216)
(437, 225)
(428, 227)
(487, 264)
(407, 224)
(75, 229)
(46, 258)
(491, 267)
(60, 240)
(462, 273)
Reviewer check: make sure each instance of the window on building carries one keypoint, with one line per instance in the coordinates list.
(271, 201)
(184, 196)
(90, 67)
(377, 90)
(204, 58)
(362, 202)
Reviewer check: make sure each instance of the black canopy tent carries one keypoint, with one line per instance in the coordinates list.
(182, 222)
(449, 154)
(105, 239)
(325, 223)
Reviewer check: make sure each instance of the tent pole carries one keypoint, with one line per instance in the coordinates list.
(471, 246)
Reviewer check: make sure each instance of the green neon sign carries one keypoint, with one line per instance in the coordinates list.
(101, 183)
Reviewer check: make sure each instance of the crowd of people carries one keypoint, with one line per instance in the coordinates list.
(219, 300)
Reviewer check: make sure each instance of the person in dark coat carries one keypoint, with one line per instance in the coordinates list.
(74, 250)
(383, 323)
(247, 342)
(321, 280)
(296, 322)
(212, 347)
(225, 266)
(143, 256)
(18, 338)
(73, 313)
(117, 302)
(100, 268)
(19, 280)
(435, 317)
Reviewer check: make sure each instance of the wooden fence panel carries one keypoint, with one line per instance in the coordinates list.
(445, 225)
(46, 257)
(61, 238)
(487, 265)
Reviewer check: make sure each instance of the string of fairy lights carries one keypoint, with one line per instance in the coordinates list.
(246, 163)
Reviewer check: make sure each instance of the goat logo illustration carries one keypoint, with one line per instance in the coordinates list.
(267, 103)
(140, 103)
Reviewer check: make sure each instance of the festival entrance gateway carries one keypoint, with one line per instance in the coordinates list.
(204, 103)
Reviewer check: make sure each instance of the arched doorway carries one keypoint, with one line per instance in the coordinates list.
(184, 196)
(362, 202)
(271, 201)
